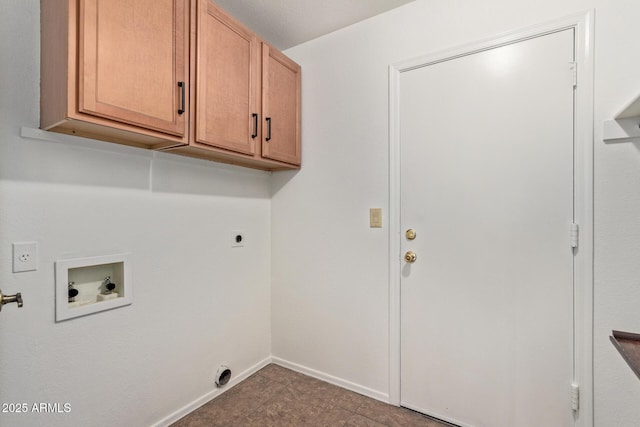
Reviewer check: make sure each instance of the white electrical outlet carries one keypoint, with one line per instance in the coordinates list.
(25, 256)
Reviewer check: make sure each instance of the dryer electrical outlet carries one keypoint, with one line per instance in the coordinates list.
(238, 238)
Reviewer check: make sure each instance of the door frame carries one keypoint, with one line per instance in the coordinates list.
(583, 25)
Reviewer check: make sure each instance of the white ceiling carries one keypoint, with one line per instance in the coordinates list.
(286, 23)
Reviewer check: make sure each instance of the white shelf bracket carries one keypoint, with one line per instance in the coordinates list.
(626, 124)
(621, 130)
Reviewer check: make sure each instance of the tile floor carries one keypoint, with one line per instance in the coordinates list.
(276, 396)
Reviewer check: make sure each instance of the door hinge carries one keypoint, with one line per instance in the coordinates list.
(574, 234)
(573, 67)
(575, 397)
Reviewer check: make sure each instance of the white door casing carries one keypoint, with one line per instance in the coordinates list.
(580, 207)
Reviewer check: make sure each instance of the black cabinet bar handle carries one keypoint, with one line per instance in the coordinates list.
(268, 138)
(181, 85)
(255, 125)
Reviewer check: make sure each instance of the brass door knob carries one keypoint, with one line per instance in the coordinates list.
(6, 299)
(410, 256)
(410, 234)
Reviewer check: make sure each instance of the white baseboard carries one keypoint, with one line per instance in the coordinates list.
(374, 394)
(187, 409)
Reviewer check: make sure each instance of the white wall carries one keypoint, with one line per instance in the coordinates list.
(329, 270)
(329, 294)
(197, 303)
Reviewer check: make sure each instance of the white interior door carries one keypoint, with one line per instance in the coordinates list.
(487, 183)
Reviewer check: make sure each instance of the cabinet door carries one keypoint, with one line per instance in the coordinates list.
(133, 56)
(227, 77)
(281, 79)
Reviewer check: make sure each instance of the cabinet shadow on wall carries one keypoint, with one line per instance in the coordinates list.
(177, 174)
(280, 179)
(39, 156)
(53, 158)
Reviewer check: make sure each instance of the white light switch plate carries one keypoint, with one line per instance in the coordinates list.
(25, 256)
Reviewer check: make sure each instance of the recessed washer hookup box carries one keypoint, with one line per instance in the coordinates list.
(92, 284)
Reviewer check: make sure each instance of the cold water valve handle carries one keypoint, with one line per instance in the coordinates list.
(109, 286)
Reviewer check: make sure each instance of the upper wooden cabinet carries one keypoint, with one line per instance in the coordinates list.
(227, 72)
(116, 70)
(246, 96)
(280, 107)
(176, 75)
